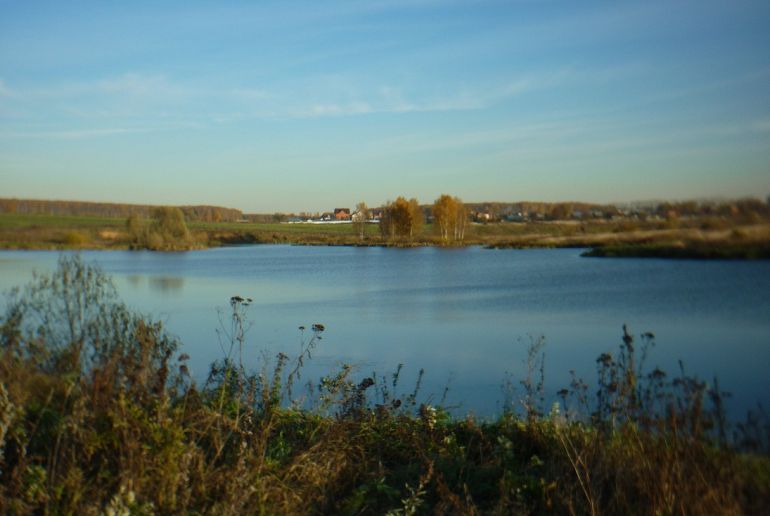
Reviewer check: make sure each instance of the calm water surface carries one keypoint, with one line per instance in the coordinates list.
(464, 315)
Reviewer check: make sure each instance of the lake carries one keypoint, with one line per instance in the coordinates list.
(466, 316)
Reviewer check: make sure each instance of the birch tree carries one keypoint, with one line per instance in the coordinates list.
(450, 217)
(460, 219)
(359, 219)
(443, 208)
(416, 217)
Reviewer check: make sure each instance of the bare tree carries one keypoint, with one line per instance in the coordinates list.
(416, 217)
(359, 219)
(387, 222)
(460, 219)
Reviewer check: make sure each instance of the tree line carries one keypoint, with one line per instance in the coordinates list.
(746, 209)
(202, 213)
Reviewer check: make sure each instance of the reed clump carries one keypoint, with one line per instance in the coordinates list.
(99, 413)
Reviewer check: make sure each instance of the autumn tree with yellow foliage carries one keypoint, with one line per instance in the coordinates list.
(451, 218)
(401, 219)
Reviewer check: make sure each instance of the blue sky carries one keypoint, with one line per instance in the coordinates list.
(290, 106)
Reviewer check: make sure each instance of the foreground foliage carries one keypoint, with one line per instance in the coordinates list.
(99, 414)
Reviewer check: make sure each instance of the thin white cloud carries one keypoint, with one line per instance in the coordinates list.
(579, 135)
(249, 94)
(79, 134)
(392, 99)
(761, 126)
(94, 133)
(377, 106)
(5, 91)
(156, 98)
(134, 95)
(321, 110)
(129, 84)
(136, 84)
(50, 133)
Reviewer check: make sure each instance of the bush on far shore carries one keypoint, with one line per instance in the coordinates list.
(166, 231)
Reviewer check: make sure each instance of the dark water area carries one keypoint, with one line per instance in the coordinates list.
(466, 316)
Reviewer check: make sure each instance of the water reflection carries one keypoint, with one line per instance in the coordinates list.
(162, 284)
(166, 284)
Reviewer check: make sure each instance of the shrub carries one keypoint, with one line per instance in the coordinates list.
(75, 238)
(166, 231)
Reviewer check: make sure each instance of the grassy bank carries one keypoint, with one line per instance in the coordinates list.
(686, 250)
(692, 238)
(98, 413)
(61, 232)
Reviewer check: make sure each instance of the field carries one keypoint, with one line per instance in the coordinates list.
(697, 237)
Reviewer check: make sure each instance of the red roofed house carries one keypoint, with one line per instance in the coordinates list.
(341, 214)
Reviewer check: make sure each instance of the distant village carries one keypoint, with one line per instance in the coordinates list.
(338, 216)
(482, 213)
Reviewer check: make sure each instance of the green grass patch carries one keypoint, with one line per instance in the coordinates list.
(12, 221)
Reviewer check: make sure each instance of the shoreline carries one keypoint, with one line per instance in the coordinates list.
(674, 251)
(600, 239)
